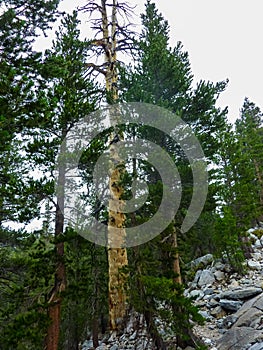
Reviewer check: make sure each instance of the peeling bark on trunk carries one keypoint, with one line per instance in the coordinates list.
(115, 37)
(117, 257)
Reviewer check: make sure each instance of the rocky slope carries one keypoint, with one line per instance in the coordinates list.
(231, 304)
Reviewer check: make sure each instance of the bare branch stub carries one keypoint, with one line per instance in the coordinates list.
(91, 7)
(97, 68)
(117, 37)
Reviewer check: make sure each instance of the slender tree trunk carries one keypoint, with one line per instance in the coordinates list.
(55, 299)
(147, 313)
(176, 262)
(152, 330)
(95, 332)
(260, 181)
(95, 310)
(188, 339)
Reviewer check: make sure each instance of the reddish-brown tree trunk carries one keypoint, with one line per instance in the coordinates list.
(55, 299)
(52, 339)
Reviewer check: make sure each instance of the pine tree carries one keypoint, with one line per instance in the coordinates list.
(162, 76)
(20, 23)
(241, 187)
(66, 96)
(85, 302)
(226, 230)
(248, 129)
(25, 274)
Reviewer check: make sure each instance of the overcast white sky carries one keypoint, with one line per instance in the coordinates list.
(223, 39)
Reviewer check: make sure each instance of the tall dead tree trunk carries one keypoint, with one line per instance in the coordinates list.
(117, 253)
(108, 45)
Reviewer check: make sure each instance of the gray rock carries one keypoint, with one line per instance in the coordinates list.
(208, 341)
(219, 323)
(196, 293)
(102, 347)
(250, 318)
(129, 347)
(238, 338)
(222, 330)
(254, 265)
(243, 293)
(234, 284)
(114, 347)
(197, 276)
(227, 268)
(217, 312)
(206, 278)
(229, 321)
(231, 305)
(112, 337)
(123, 337)
(219, 266)
(202, 262)
(212, 326)
(193, 285)
(258, 244)
(144, 344)
(213, 303)
(256, 256)
(246, 281)
(219, 275)
(257, 346)
(258, 302)
(248, 305)
(205, 314)
(129, 328)
(87, 344)
(208, 291)
(133, 336)
(187, 292)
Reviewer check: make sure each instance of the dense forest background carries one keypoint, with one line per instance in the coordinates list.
(55, 286)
